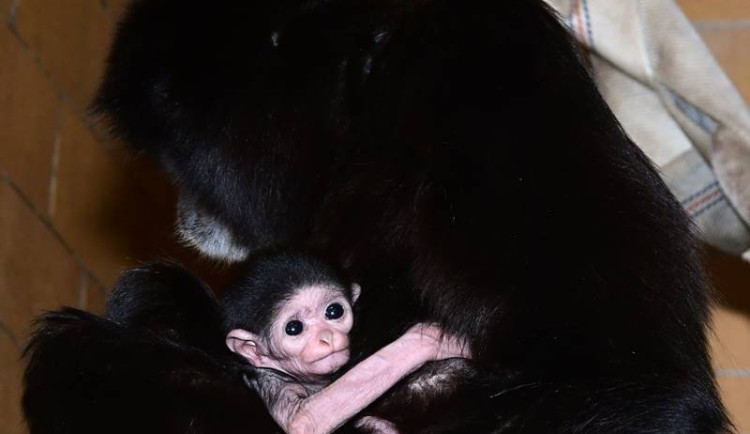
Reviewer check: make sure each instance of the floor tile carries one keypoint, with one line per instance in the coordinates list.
(735, 392)
(11, 373)
(104, 208)
(730, 47)
(4, 9)
(36, 271)
(90, 212)
(71, 38)
(715, 10)
(30, 108)
(730, 340)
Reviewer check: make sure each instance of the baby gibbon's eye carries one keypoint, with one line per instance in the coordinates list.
(334, 311)
(293, 328)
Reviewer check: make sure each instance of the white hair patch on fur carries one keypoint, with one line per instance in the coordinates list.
(203, 232)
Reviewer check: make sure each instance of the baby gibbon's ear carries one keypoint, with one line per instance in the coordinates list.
(247, 345)
(356, 290)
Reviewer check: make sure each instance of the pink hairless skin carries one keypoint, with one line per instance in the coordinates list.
(301, 407)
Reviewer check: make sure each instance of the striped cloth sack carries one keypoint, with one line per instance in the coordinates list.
(676, 103)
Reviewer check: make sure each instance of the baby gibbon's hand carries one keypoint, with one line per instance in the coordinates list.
(440, 344)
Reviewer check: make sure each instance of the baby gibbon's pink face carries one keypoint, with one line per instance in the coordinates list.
(310, 335)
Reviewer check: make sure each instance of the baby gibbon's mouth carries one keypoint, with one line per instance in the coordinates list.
(334, 353)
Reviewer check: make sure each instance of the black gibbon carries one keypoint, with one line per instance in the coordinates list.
(453, 157)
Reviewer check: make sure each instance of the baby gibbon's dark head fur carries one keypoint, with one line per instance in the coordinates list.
(270, 278)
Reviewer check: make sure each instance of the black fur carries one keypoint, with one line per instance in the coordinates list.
(166, 299)
(152, 366)
(455, 157)
(269, 278)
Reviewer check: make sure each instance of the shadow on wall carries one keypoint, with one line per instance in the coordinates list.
(139, 219)
(731, 278)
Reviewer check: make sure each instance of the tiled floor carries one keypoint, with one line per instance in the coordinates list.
(74, 211)
(730, 339)
(725, 27)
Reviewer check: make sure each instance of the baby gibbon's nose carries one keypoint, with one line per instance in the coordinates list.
(326, 337)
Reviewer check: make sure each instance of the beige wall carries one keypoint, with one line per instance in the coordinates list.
(74, 210)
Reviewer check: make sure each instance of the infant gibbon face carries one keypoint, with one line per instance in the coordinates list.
(309, 335)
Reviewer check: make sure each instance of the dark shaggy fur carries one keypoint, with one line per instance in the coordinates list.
(268, 279)
(456, 159)
(151, 366)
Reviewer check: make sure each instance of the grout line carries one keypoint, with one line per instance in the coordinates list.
(733, 373)
(76, 257)
(7, 332)
(52, 199)
(66, 102)
(47, 73)
(721, 24)
(81, 114)
(13, 10)
(14, 30)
